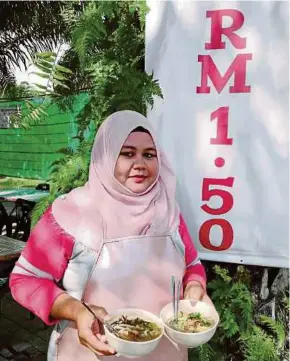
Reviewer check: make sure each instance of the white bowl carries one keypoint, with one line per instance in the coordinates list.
(190, 339)
(132, 349)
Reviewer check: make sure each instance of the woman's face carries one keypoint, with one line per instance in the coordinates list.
(137, 165)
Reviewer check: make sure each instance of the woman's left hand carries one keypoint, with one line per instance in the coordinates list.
(195, 291)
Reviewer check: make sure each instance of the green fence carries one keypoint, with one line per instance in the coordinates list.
(29, 153)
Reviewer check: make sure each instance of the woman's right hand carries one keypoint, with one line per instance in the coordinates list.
(89, 330)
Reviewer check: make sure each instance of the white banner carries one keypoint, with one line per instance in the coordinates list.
(223, 68)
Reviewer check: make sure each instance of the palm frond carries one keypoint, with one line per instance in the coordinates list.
(27, 27)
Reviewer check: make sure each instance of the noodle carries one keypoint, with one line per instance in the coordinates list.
(190, 323)
(136, 329)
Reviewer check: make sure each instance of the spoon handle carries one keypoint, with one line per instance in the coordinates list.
(173, 291)
(178, 297)
(89, 309)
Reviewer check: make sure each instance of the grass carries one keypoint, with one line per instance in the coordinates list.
(9, 182)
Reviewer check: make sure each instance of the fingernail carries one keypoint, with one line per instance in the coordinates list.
(193, 302)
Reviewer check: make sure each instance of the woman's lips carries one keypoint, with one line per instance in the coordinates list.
(138, 178)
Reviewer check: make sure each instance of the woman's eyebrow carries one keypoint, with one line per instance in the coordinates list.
(134, 148)
(128, 146)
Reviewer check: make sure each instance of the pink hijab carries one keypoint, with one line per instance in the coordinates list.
(103, 207)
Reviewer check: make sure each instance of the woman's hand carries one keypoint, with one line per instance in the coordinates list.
(195, 291)
(89, 330)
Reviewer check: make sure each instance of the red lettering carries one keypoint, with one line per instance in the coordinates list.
(207, 193)
(222, 117)
(217, 29)
(228, 234)
(237, 67)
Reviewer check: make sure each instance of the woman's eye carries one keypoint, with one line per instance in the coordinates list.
(149, 155)
(127, 154)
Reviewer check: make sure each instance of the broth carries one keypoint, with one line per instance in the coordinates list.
(135, 329)
(190, 323)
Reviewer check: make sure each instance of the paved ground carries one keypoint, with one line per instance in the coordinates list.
(24, 334)
(29, 337)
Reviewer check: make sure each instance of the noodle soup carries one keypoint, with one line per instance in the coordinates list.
(133, 332)
(190, 322)
(195, 325)
(135, 329)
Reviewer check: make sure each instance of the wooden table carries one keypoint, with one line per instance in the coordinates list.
(10, 248)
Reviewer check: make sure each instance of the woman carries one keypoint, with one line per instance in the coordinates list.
(112, 243)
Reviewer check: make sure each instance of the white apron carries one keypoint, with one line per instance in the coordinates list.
(129, 272)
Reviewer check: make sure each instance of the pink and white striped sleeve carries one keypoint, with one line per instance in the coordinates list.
(194, 269)
(41, 264)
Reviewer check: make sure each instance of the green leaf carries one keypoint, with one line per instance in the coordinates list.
(56, 82)
(59, 76)
(204, 352)
(44, 63)
(30, 104)
(44, 69)
(40, 86)
(132, 9)
(63, 69)
(222, 273)
(65, 151)
(41, 75)
(257, 346)
(276, 327)
(41, 110)
(46, 55)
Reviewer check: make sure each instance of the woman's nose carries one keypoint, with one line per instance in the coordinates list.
(139, 166)
(139, 163)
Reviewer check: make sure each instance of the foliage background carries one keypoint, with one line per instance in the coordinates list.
(26, 27)
(106, 58)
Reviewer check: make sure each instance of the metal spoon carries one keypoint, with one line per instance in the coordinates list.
(173, 296)
(178, 297)
(176, 290)
(111, 328)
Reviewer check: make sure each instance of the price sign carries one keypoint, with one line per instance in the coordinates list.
(224, 122)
